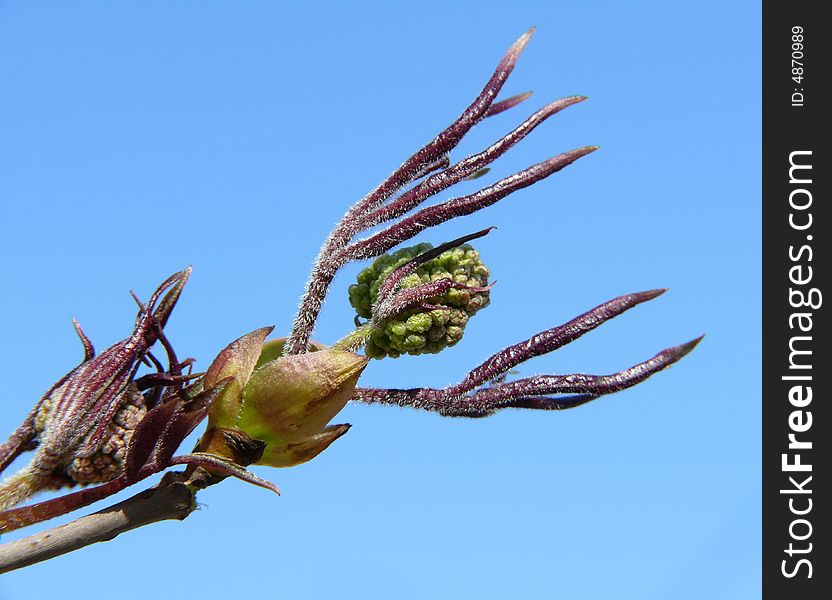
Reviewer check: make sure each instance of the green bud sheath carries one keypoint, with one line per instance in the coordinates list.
(276, 409)
(237, 360)
(290, 454)
(289, 401)
(274, 349)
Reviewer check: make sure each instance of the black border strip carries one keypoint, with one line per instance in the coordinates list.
(796, 229)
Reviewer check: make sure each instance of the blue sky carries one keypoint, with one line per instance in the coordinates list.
(138, 138)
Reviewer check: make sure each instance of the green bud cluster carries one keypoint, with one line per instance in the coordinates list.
(417, 331)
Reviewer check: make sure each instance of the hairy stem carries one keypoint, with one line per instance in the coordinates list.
(432, 156)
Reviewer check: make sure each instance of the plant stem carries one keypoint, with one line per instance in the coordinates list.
(172, 498)
(354, 339)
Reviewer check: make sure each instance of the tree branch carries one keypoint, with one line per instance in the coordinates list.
(172, 498)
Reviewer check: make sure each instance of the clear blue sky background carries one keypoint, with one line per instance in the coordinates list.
(140, 137)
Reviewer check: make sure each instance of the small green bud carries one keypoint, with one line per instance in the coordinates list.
(420, 331)
(419, 322)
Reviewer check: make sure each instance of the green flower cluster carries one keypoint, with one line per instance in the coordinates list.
(417, 331)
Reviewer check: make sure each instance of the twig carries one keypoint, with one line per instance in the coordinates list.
(170, 499)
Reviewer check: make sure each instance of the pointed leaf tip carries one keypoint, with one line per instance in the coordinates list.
(689, 346)
(303, 450)
(650, 294)
(518, 46)
(575, 99)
